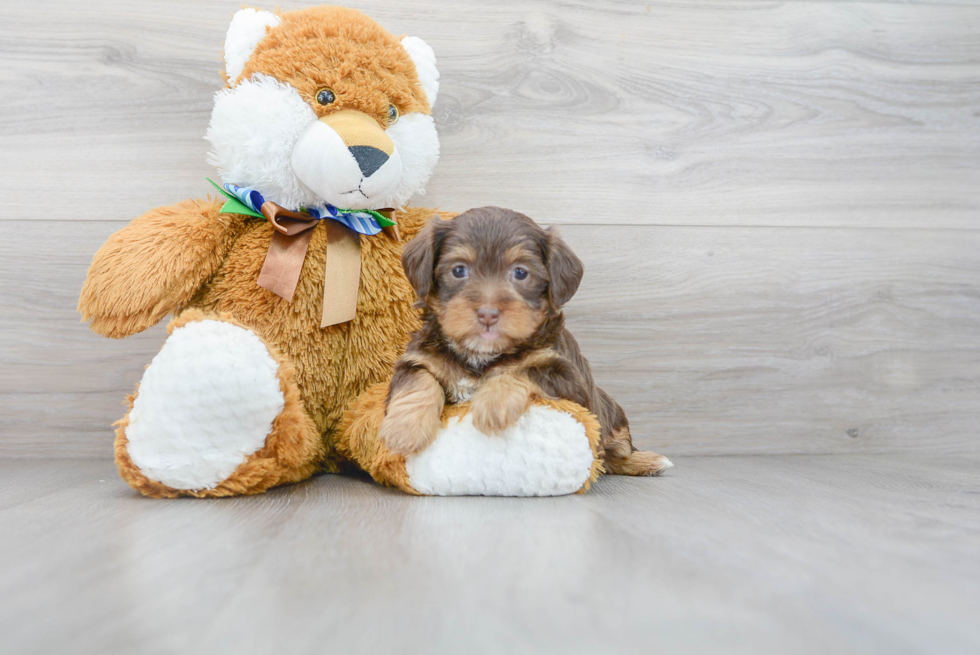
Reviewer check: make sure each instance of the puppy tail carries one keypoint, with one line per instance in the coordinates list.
(621, 458)
(639, 462)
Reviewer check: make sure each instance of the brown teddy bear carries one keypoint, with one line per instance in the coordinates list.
(288, 293)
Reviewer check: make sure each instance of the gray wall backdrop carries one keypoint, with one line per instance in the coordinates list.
(778, 203)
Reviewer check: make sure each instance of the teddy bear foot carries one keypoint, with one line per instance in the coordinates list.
(216, 414)
(546, 453)
(552, 450)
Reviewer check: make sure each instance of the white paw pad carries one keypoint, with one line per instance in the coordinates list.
(546, 453)
(206, 402)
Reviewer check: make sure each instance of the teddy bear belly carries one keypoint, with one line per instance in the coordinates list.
(333, 364)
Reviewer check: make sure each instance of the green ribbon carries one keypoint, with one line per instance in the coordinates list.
(235, 206)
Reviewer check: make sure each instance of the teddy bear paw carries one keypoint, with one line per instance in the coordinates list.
(545, 453)
(206, 402)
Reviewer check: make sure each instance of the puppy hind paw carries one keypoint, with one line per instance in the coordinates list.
(639, 463)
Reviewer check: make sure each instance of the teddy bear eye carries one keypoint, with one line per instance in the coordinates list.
(459, 271)
(520, 273)
(392, 114)
(325, 96)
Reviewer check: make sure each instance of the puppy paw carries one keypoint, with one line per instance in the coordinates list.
(408, 433)
(500, 403)
(414, 417)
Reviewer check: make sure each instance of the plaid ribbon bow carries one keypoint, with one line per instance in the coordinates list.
(291, 239)
(362, 221)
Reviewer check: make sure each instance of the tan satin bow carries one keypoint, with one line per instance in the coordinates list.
(287, 252)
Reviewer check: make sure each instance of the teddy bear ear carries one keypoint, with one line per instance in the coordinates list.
(425, 64)
(248, 27)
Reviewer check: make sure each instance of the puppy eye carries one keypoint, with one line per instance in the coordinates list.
(460, 271)
(325, 96)
(392, 114)
(520, 273)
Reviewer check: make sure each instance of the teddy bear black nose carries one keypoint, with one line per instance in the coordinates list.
(369, 159)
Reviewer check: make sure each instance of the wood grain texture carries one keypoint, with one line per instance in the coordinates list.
(757, 340)
(834, 554)
(597, 111)
(806, 281)
(715, 340)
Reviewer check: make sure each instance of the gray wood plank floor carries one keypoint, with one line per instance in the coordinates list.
(777, 554)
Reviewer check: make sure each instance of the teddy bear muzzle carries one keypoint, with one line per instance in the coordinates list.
(370, 146)
(346, 158)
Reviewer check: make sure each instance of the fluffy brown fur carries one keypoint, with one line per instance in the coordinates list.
(330, 366)
(190, 260)
(491, 285)
(344, 50)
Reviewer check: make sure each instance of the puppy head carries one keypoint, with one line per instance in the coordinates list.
(491, 276)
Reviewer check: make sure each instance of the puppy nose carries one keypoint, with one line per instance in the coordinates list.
(369, 159)
(488, 315)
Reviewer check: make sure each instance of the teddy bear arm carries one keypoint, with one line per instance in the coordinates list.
(155, 265)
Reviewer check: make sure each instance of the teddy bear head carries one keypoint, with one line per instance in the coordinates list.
(323, 106)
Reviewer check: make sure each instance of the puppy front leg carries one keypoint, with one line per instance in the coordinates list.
(414, 413)
(501, 401)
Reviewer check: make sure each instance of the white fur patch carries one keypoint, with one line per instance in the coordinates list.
(253, 129)
(417, 144)
(206, 402)
(323, 163)
(546, 453)
(265, 136)
(247, 28)
(425, 65)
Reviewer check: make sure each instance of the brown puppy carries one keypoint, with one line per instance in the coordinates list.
(491, 284)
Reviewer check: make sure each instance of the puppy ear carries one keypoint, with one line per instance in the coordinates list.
(420, 255)
(565, 269)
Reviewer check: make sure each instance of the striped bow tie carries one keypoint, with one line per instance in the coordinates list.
(362, 221)
(291, 235)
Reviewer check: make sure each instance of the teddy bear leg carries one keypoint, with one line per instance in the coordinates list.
(217, 413)
(552, 450)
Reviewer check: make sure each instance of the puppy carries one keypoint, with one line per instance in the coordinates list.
(491, 284)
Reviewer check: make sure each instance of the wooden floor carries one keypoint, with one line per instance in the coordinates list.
(777, 554)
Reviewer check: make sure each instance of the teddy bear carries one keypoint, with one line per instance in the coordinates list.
(289, 300)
